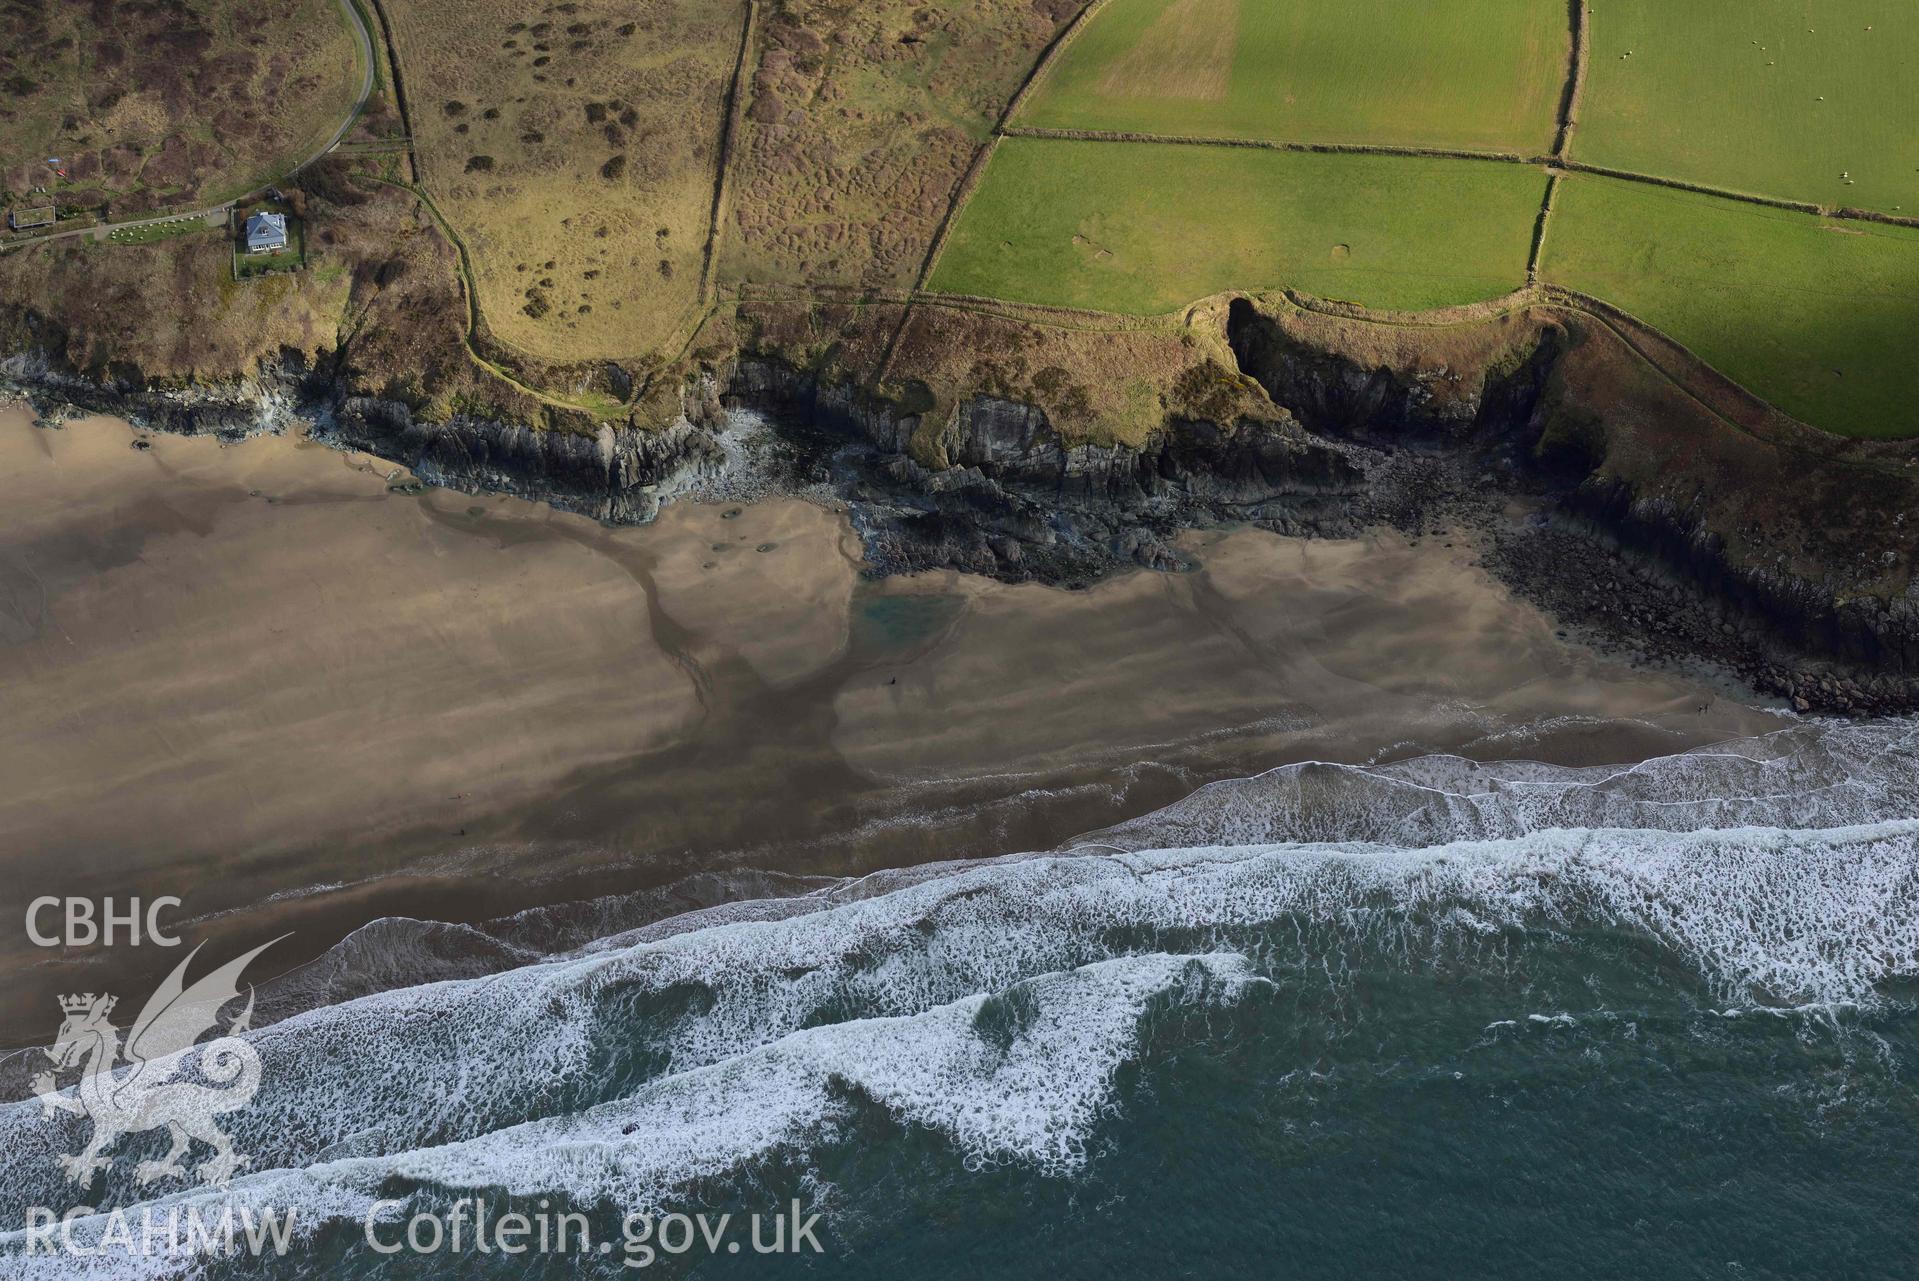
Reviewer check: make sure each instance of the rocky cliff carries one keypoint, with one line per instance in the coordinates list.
(612, 474)
(1650, 517)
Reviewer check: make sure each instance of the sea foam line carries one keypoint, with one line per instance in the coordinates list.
(1763, 911)
(1807, 916)
(1031, 1092)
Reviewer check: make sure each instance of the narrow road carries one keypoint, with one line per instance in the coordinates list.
(100, 231)
(365, 37)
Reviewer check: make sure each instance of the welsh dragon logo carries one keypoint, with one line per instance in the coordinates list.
(167, 1079)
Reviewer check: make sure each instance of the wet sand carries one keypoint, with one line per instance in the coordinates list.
(262, 678)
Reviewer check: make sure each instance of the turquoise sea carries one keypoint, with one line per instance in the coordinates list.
(1433, 1019)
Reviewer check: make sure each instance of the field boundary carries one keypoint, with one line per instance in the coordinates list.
(1633, 333)
(1054, 317)
(1469, 313)
(1691, 374)
(480, 336)
(1663, 353)
(463, 263)
(1842, 213)
(1695, 372)
(1538, 250)
(1270, 144)
(962, 192)
(1575, 77)
(1566, 165)
(1048, 56)
(1569, 97)
(1697, 378)
(963, 189)
(1027, 312)
(1624, 324)
(729, 132)
(378, 9)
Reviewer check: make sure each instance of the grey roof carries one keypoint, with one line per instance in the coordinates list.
(265, 232)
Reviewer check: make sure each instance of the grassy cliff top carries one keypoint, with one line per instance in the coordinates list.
(620, 181)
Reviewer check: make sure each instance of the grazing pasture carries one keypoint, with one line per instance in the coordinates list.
(1818, 317)
(1480, 75)
(151, 106)
(574, 148)
(1807, 101)
(1144, 228)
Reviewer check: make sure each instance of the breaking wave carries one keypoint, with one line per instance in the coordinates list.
(1808, 776)
(995, 1004)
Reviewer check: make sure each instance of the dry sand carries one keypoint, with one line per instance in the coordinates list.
(259, 678)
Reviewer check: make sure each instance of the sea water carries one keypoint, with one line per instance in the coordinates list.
(1433, 1019)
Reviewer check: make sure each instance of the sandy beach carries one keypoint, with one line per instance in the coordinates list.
(266, 678)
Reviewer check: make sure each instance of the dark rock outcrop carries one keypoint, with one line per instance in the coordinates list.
(1005, 495)
(1611, 548)
(992, 487)
(230, 411)
(615, 475)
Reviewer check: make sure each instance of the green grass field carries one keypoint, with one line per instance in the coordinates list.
(1820, 318)
(1777, 97)
(1472, 74)
(1144, 228)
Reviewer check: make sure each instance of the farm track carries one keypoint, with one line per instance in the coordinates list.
(1632, 333)
(1674, 363)
(475, 321)
(364, 15)
(469, 337)
(476, 326)
(370, 77)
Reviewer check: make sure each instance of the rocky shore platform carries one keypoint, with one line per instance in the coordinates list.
(1643, 501)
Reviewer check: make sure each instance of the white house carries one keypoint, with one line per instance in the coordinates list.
(266, 233)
